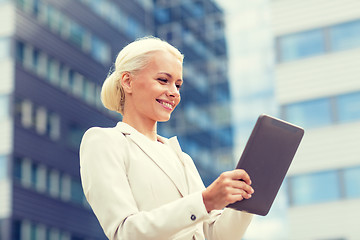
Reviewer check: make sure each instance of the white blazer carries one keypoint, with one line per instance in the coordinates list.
(136, 194)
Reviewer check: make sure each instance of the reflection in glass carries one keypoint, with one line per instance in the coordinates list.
(348, 107)
(3, 167)
(345, 36)
(352, 182)
(313, 113)
(4, 48)
(301, 45)
(4, 106)
(314, 188)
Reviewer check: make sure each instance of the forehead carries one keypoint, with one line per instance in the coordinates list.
(165, 61)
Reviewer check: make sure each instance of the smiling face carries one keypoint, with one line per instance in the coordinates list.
(153, 92)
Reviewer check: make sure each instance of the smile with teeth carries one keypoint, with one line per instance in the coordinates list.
(166, 104)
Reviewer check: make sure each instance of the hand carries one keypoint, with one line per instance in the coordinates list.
(229, 187)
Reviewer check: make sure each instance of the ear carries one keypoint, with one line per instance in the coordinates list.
(126, 82)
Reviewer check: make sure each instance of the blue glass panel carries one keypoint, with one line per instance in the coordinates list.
(77, 34)
(162, 15)
(348, 107)
(99, 50)
(76, 191)
(345, 36)
(34, 173)
(3, 167)
(4, 48)
(20, 51)
(315, 113)
(17, 169)
(314, 188)
(4, 106)
(301, 45)
(352, 182)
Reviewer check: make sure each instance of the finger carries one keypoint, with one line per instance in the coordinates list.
(242, 185)
(242, 193)
(241, 174)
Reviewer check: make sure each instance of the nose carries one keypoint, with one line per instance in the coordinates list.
(173, 91)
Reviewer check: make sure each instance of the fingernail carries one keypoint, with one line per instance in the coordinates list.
(252, 190)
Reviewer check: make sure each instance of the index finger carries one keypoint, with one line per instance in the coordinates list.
(241, 174)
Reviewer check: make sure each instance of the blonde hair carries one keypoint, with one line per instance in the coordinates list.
(132, 58)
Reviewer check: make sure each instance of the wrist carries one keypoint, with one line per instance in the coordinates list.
(206, 202)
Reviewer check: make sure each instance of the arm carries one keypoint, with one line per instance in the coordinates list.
(225, 224)
(103, 173)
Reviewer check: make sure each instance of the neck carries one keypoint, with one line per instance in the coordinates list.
(147, 128)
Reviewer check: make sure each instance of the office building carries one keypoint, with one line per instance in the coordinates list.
(318, 87)
(202, 121)
(54, 56)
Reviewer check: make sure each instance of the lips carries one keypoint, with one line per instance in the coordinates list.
(166, 104)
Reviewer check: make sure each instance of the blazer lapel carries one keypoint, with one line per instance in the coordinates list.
(141, 141)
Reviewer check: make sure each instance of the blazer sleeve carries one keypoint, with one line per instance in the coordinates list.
(227, 224)
(103, 172)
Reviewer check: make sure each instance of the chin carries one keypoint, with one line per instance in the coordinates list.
(164, 118)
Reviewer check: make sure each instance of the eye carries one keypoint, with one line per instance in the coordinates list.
(163, 80)
(178, 86)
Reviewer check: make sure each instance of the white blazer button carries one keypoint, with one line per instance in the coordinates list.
(193, 217)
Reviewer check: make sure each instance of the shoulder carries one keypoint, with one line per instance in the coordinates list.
(98, 137)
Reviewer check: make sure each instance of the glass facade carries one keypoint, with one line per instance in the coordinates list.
(301, 45)
(352, 182)
(345, 36)
(324, 111)
(325, 186)
(4, 48)
(189, 25)
(56, 97)
(68, 29)
(3, 167)
(318, 41)
(4, 106)
(314, 188)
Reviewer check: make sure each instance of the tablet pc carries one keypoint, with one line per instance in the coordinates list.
(266, 158)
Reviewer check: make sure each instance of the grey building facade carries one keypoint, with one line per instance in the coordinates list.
(54, 56)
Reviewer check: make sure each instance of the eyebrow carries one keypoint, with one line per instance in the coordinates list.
(170, 76)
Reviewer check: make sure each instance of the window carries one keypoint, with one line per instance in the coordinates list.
(77, 82)
(53, 126)
(54, 183)
(17, 169)
(65, 191)
(348, 107)
(345, 36)
(89, 91)
(313, 113)
(77, 35)
(20, 52)
(352, 182)
(34, 174)
(75, 133)
(41, 120)
(4, 48)
(4, 106)
(162, 15)
(3, 167)
(301, 45)
(99, 50)
(26, 172)
(53, 71)
(314, 188)
(56, 73)
(76, 191)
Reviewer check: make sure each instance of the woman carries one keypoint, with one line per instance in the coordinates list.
(141, 185)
